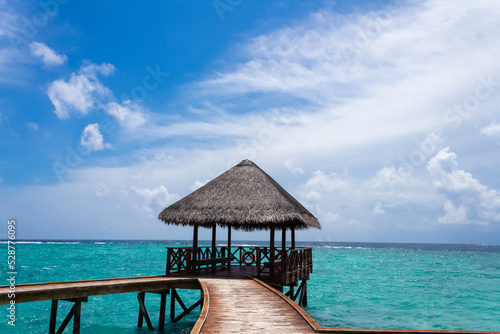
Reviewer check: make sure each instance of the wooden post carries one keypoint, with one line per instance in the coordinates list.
(195, 247)
(293, 237)
(67, 320)
(144, 313)
(188, 310)
(283, 255)
(76, 319)
(303, 293)
(229, 254)
(283, 239)
(74, 313)
(53, 317)
(169, 261)
(304, 300)
(163, 302)
(271, 254)
(172, 304)
(214, 245)
(141, 316)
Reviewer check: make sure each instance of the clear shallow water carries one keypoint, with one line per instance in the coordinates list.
(354, 285)
(449, 287)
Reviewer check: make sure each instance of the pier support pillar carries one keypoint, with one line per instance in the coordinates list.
(74, 313)
(163, 304)
(290, 293)
(143, 313)
(303, 294)
(53, 317)
(175, 297)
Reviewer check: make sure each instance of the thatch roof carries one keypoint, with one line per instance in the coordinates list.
(244, 197)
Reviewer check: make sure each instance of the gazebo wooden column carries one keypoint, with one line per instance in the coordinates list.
(214, 245)
(271, 251)
(228, 244)
(283, 238)
(292, 246)
(283, 249)
(195, 248)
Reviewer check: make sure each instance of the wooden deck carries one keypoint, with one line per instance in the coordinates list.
(231, 304)
(282, 266)
(80, 289)
(251, 306)
(245, 306)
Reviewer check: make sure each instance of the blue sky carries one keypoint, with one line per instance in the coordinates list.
(381, 117)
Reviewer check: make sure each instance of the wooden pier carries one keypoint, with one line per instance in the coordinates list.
(247, 306)
(229, 304)
(79, 291)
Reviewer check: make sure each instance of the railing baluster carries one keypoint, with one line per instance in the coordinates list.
(258, 255)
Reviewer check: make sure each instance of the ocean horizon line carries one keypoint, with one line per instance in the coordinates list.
(278, 241)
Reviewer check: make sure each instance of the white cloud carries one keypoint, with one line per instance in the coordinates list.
(12, 57)
(198, 184)
(321, 182)
(337, 223)
(332, 217)
(32, 125)
(46, 54)
(321, 57)
(370, 203)
(155, 199)
(128, 114)
(467, 201)
(378, 209)
(492, 130)
(395, 187)
(92, 140)
(389, 178)
(294, 170)
(81, 93)
(101, 190)
(92, 69)
(357, 81)
(453, 214)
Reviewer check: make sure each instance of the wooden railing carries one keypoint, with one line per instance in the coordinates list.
(179, 259)
(298, 265)
(284, 267)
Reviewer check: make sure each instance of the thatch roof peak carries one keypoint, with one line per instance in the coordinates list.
(244, 197)
(246, 162)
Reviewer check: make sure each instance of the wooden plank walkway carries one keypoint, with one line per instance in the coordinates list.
(245, 306)
(78, 289)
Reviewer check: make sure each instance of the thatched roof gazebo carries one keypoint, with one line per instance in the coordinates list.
(244, 198)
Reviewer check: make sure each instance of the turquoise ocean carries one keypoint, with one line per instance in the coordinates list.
(354, 285)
